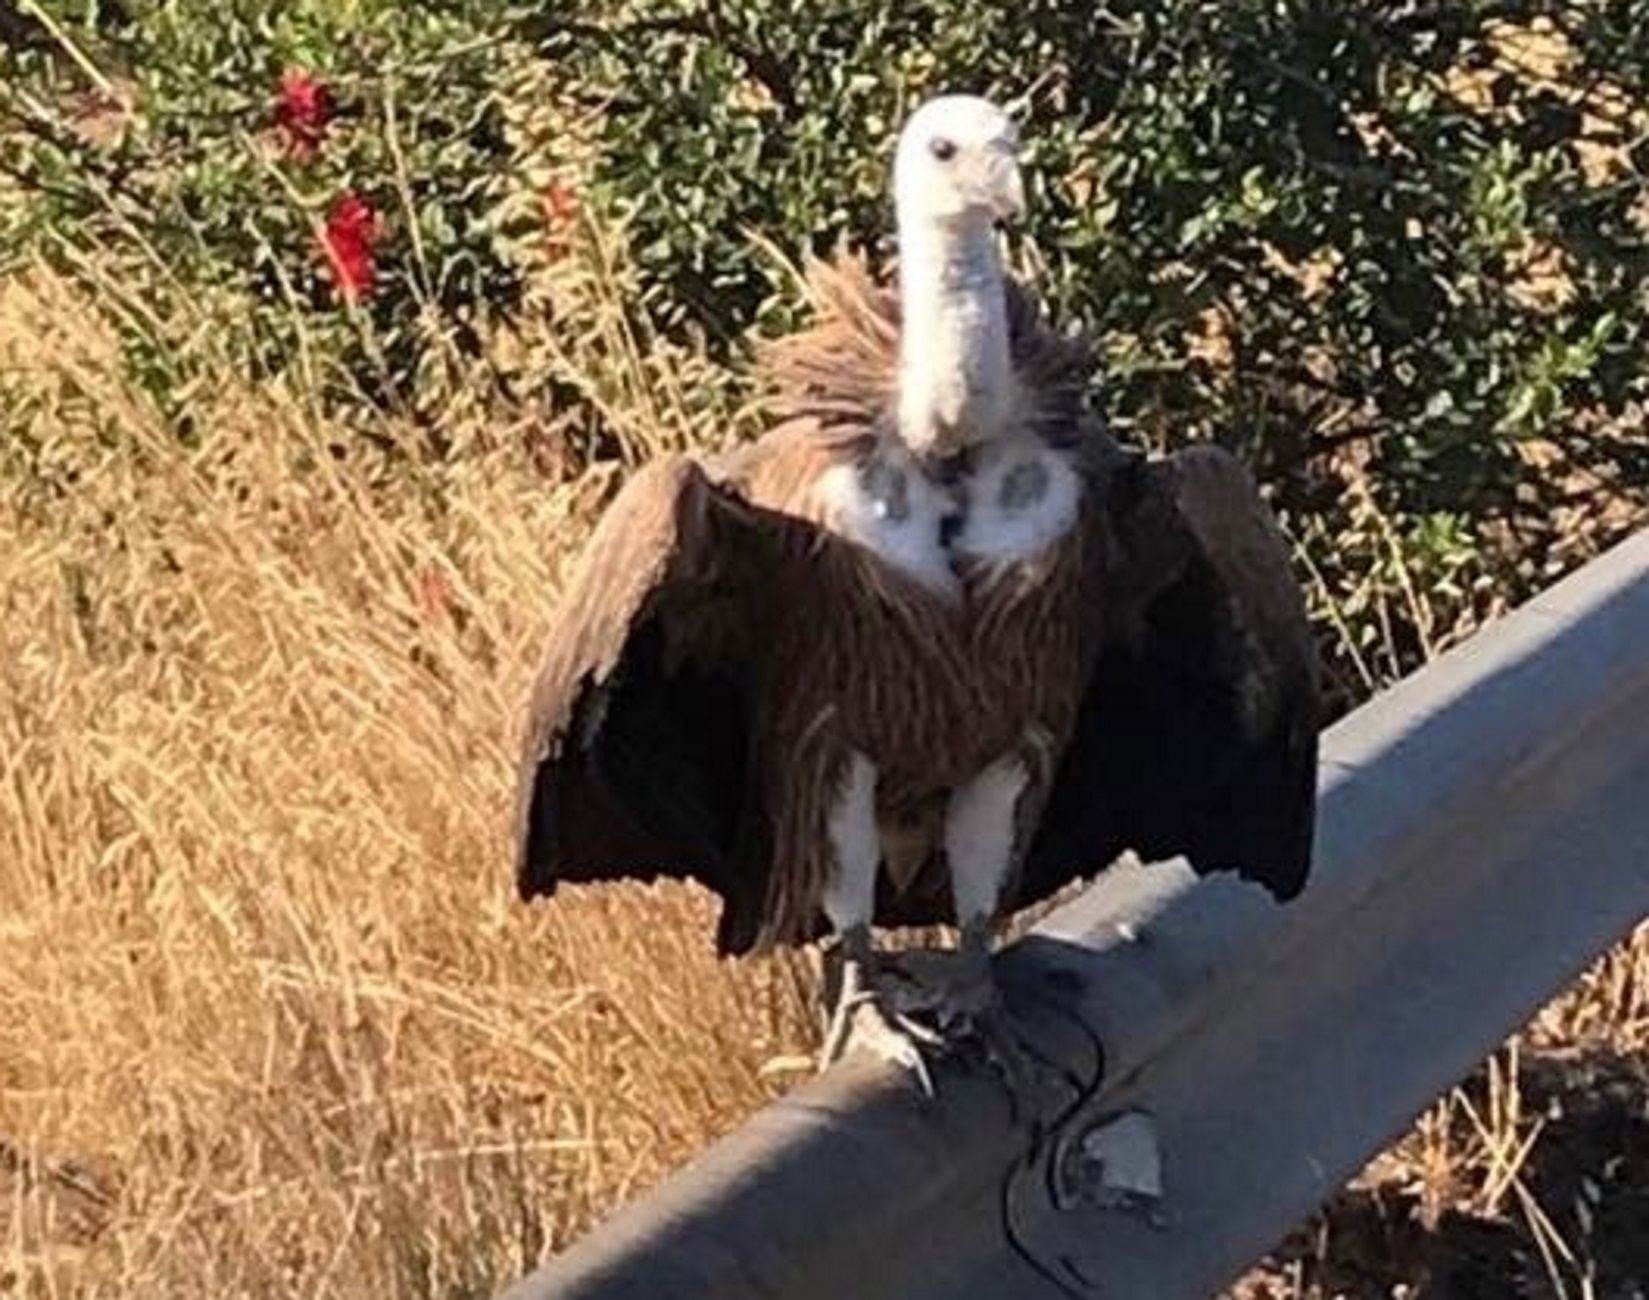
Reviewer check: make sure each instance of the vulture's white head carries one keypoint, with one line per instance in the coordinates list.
(955, 176)
(957, 164)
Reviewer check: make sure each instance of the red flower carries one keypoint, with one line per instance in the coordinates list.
(434, 595)
(351, 230)
(303, 107)
(560, 205)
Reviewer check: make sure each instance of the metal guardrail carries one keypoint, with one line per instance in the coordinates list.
(1483, 835)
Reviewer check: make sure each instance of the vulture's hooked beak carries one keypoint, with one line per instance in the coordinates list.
(1011, 205)
(1004, 188)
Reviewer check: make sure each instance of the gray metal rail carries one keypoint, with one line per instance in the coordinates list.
(1224, 1064)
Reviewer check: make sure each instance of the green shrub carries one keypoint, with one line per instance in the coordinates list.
(205, 203)
(1188, 158)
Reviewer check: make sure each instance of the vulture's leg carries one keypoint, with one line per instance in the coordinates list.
(981, 834)
(861, 1016)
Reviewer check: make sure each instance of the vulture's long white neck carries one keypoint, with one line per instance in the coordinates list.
(954, 367)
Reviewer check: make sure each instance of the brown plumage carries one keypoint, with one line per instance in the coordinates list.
(720, 651)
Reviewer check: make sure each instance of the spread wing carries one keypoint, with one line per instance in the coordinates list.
(1198, 731)
(639, 726)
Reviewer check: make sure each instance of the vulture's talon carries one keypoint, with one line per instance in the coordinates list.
(862, 1021)
(957, 992)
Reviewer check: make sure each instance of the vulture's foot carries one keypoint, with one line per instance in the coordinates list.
(866, 1015)
(955, 989)
(959, 996)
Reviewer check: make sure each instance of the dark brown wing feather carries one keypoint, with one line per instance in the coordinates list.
(1198, 732)
(634, 764)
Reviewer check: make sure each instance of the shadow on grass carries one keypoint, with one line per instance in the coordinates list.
(1588, 1173)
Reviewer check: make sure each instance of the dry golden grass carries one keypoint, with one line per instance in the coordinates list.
(271, 1021)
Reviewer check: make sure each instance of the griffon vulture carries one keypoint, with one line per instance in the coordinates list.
(933, 645)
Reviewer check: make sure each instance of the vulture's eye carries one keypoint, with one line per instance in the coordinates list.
(944, 150)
